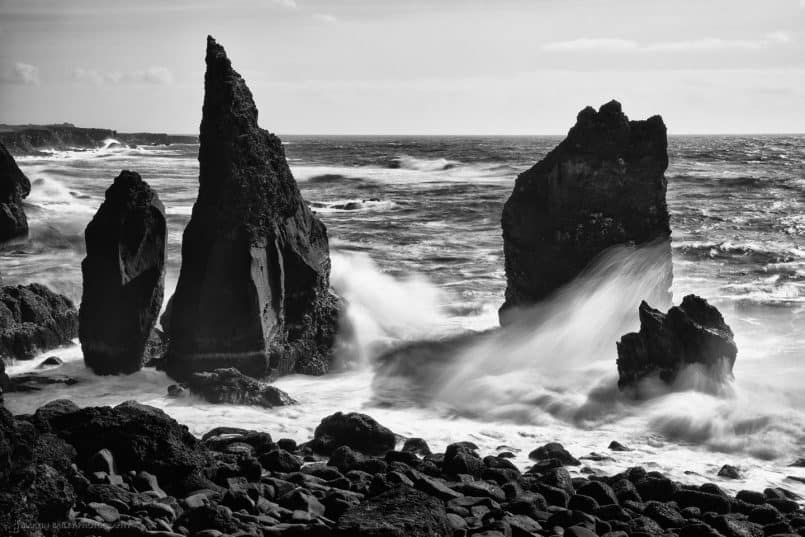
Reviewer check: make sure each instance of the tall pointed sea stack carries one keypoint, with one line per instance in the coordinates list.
(124, 274)
(602, 185)
(253, 292)
(14, 186)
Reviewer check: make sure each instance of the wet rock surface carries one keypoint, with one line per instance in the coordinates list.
(14, 186)
(233, 387)
(132, 470)
(692, 333)
(123, 276)
(253, 291)
(601, 186)
(34, 319)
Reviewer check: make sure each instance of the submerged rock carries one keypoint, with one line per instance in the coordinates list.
(691, 333)
(233, 387)
(14, 186)
(34, 319)
(601, 186)
(124, 274)
(253, 292)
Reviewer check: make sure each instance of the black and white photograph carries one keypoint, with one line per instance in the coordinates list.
(386, 268)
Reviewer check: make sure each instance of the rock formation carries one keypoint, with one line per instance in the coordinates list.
(602, 185)
(233, 387)
(34, 319)
(123, 274)
(692, 333)
(14, 186)
(253, 292)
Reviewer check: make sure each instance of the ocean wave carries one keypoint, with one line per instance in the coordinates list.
(51, 194)
(408, 162)
(351, 205)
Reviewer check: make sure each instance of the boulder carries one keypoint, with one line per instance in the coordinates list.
(400, 512)
(33, 489)
(34, 319)
(602, 185)
(358, 431)
(14, 186)
(123, 274)
(140, 437)
(233, 387)
(691, 333)
(253, 291)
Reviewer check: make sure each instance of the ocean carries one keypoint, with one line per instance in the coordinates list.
(415, 238)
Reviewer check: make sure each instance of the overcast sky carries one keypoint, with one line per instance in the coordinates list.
(409, 66)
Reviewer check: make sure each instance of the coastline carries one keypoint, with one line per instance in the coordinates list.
(237, 480)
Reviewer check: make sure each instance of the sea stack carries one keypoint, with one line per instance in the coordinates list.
(14, 186)
(253, 291)
(691, 333)
(124, 274)
(603, 185)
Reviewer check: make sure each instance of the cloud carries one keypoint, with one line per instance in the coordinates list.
(605, 44)
(290, 4)
(325, 17)
(21, 73)
(160, 76)
(595, 43)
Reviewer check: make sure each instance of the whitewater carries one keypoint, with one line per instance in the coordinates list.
(414, 226)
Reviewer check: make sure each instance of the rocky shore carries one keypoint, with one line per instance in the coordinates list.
(132, 470)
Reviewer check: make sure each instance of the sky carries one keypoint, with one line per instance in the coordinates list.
(409, 66)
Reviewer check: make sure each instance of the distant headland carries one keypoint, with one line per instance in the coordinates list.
(33, 139)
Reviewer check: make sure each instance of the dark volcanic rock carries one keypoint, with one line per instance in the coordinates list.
(601, 186)
(14, 186)
(253, 292)
(233, 387)
(34, 319)
(140, 437)
(124, 274)
(4, 382)
(692, 333)
(358, 431)
(400, 512)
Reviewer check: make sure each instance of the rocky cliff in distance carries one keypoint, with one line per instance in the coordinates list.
(14, 186)
(32, 139)
(601, 186)
(123, 276)
(253, 291)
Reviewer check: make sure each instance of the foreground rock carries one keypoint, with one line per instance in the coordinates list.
(14, 186)
(123, 275)
(253, 292)
(691, 333)
(140, 437)
(354, 430)
(233, 387)
(603, 185)
(132, 470)
(34, 319)
(401, 512)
